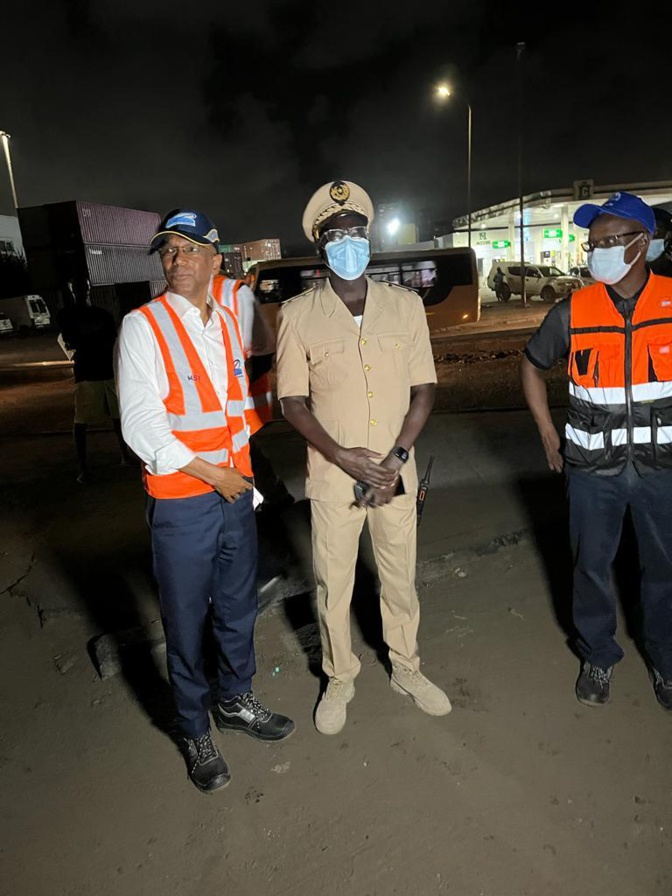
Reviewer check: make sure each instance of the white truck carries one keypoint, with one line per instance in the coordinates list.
(26, 313)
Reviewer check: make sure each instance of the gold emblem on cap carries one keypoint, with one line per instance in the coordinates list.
(339, 192)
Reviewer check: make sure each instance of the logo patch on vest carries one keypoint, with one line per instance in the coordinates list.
(237, 367)
(666, 303)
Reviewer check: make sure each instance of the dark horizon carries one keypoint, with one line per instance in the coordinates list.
(243, 117)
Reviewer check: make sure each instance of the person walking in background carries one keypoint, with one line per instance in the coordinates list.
(183, 391)
(356, 378)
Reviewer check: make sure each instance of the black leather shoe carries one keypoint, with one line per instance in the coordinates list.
(245, 713)
(593, 687)
(205, 764)
(662, 689)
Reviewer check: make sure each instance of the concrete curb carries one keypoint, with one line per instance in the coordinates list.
(110, 652)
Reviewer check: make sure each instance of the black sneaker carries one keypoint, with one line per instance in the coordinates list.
(245, 713)
(205, 764)
(593, 687)
(662, 689)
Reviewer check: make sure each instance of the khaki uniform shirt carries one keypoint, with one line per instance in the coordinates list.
(358, 381)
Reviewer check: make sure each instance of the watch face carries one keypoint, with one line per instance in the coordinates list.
(401, 454)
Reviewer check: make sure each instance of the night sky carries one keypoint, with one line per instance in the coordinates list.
(242, 110)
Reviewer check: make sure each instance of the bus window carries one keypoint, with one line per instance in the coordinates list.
(445, 279)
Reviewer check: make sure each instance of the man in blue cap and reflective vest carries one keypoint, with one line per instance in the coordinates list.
(183, 389)
(617, 337)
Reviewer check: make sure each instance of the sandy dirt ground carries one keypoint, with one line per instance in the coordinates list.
(520, 791)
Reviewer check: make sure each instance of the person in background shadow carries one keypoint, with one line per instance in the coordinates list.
(88, 335)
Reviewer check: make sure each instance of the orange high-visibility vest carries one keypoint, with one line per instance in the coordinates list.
(620, 380)
(195, 413)
(259, 404)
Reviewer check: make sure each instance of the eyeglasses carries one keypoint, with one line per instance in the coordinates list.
(608, 242)
(190, 249)
(335, 236)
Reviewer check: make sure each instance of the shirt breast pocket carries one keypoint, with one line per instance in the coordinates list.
(395, 348)
(328, 361)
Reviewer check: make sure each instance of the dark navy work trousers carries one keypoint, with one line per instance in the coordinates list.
(597, 506)
(205, 563)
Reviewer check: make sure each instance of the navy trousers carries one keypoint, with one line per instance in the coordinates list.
(597, 506)
(205, 563)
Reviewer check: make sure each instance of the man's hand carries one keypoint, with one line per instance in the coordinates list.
(359, 463)
(377, 497)
(551, 442)
(228, 482)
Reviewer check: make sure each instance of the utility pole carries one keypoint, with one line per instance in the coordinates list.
(4, 136)
(469, 174)
(520, 50)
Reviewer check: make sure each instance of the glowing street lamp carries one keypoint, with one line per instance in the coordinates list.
(4, 137)
(393, 226)
(443, 92)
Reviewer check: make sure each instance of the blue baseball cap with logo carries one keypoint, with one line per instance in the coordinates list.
(193, 226)
(621, 205)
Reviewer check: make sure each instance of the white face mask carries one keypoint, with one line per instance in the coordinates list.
(655, 249)
(609, 265)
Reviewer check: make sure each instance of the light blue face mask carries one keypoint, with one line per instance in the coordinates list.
(655, 249)
(349, 257)
(609, 265)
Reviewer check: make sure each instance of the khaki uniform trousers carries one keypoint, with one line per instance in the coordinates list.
(336, 529)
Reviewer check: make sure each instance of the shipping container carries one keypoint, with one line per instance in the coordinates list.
(106, 297)
(111, 225)
(120, 264)
(99, 265)
(70, 224)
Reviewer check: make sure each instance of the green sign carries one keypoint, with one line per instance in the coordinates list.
(500, 244)
(552, 233)
(571, 238)
(226, 249)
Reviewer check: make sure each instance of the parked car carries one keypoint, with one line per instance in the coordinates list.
(6, 326)
(583, 273)
(545, 281)
(27, 313)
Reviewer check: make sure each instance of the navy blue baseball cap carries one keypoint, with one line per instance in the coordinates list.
(193, 226)
(621, 205)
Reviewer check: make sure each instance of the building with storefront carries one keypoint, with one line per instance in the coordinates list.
(550, 237)
(10, 236)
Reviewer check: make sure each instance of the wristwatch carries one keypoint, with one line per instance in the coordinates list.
(400, 453)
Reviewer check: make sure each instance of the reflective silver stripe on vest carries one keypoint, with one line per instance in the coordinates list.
(597, 395)
(641, 435)
(239, 440)
(258, 401)
(651, 391)
(194, 417)
(215, 457)
(209, 420)
(616, 394)
(192, 402)
(227, 293)
(592, 441)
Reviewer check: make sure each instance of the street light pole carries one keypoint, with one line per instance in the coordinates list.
(520, 49)
(4, 136)
(469, 176)
(443, 92)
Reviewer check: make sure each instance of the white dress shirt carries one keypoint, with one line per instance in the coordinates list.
(142, 382)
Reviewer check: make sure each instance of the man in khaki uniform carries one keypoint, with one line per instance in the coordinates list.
(356, 378)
